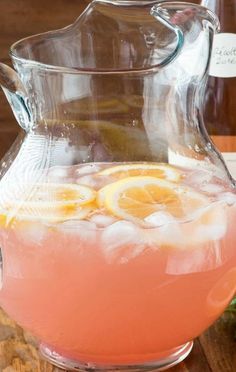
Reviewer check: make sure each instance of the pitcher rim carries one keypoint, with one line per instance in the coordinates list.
(96, 71)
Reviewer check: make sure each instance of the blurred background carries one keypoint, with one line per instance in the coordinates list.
(22, 18)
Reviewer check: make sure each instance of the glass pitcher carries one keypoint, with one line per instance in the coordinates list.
(117, 214)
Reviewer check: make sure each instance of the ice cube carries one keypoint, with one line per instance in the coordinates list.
(33, 233)
(95, 182)
(122, 241)
(209, 225)
(165, 230)
(102, 181)
(212, 188)
(88, 169)
(120, 233)
(102, 220)
(210, 232)
(56, 174)
(133, 252)
(87, 181)
(194, 260)
(228, 197)
(199, 177)
(167, 235)
(84, 230)
(159, 219)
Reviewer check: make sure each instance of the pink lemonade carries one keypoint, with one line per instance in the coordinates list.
(145, 266)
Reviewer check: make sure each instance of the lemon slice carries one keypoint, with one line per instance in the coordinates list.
(163, 171)
(136, 198)
(49, 202)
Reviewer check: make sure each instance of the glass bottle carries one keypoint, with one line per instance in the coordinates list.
(219, 101)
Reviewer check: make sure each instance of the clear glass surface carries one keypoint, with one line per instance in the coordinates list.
(117, 213)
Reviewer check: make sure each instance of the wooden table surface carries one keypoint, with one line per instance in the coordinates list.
(215, 350)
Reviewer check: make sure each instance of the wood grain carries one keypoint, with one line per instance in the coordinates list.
(225, 143)
(214, 351)
(22, 18)
(219, 344)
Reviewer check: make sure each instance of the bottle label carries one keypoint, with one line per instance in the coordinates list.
(223, 59)
(230, 161)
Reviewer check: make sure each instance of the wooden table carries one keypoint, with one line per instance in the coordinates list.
(215, 350)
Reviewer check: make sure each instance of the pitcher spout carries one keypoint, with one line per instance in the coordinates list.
(197, 25)
(16, 95)
(183, 15)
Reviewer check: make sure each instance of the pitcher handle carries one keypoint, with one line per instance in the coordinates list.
(16, 95)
